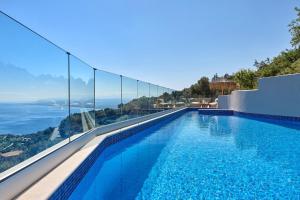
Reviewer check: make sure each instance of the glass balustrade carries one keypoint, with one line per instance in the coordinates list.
(48, 96)
(160, 100)
(82, 115)
(165, 98)
(172, 98)
(130, 100)
(154, 98)
(143, 96)
(33, 93)
(107, 98)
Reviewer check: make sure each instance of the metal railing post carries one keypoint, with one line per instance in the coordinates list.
(137, 95)
(94, 97)
(149, 97)
(69, 96)
(121, 107)
(156, 98)
(137, 89)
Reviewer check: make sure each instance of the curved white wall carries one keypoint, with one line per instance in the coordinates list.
(279, 95)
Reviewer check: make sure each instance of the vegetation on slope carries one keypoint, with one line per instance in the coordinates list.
(26, 146)
(287, 62)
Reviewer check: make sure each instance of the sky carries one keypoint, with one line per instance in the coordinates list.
(166, 42)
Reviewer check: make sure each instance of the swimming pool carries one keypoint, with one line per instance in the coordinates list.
(198, 156)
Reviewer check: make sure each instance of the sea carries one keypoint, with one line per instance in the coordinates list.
(25, 118)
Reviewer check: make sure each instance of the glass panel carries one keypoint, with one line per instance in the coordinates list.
(172, 99)
(143, 94)
(166, 97)
(33, 94)
(186, 96)
(154, 98)
(160, 91)
(82, 96)
(180, 100)
(34, 104)
(160, 100)
(108, 98)
(130, 100)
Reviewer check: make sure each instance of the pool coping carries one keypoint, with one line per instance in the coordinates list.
(59, 183)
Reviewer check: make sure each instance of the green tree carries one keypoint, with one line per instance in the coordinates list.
(246, 78)
(176, 95)
(296, 66)
(204, 86)
(186, 93)
(279, 65)
(295, 29)
(195, 90)
(201, 88)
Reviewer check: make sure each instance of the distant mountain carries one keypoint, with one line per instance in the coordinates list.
(19, 85)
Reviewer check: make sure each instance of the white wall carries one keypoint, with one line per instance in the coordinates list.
(279, 95)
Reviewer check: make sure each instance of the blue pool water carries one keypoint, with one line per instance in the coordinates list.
(199, 157)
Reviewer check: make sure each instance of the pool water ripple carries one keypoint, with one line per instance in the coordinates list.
(200, 157)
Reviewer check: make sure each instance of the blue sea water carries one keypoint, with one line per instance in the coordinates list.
(199, 157)
(26, 118)
(19, 119)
